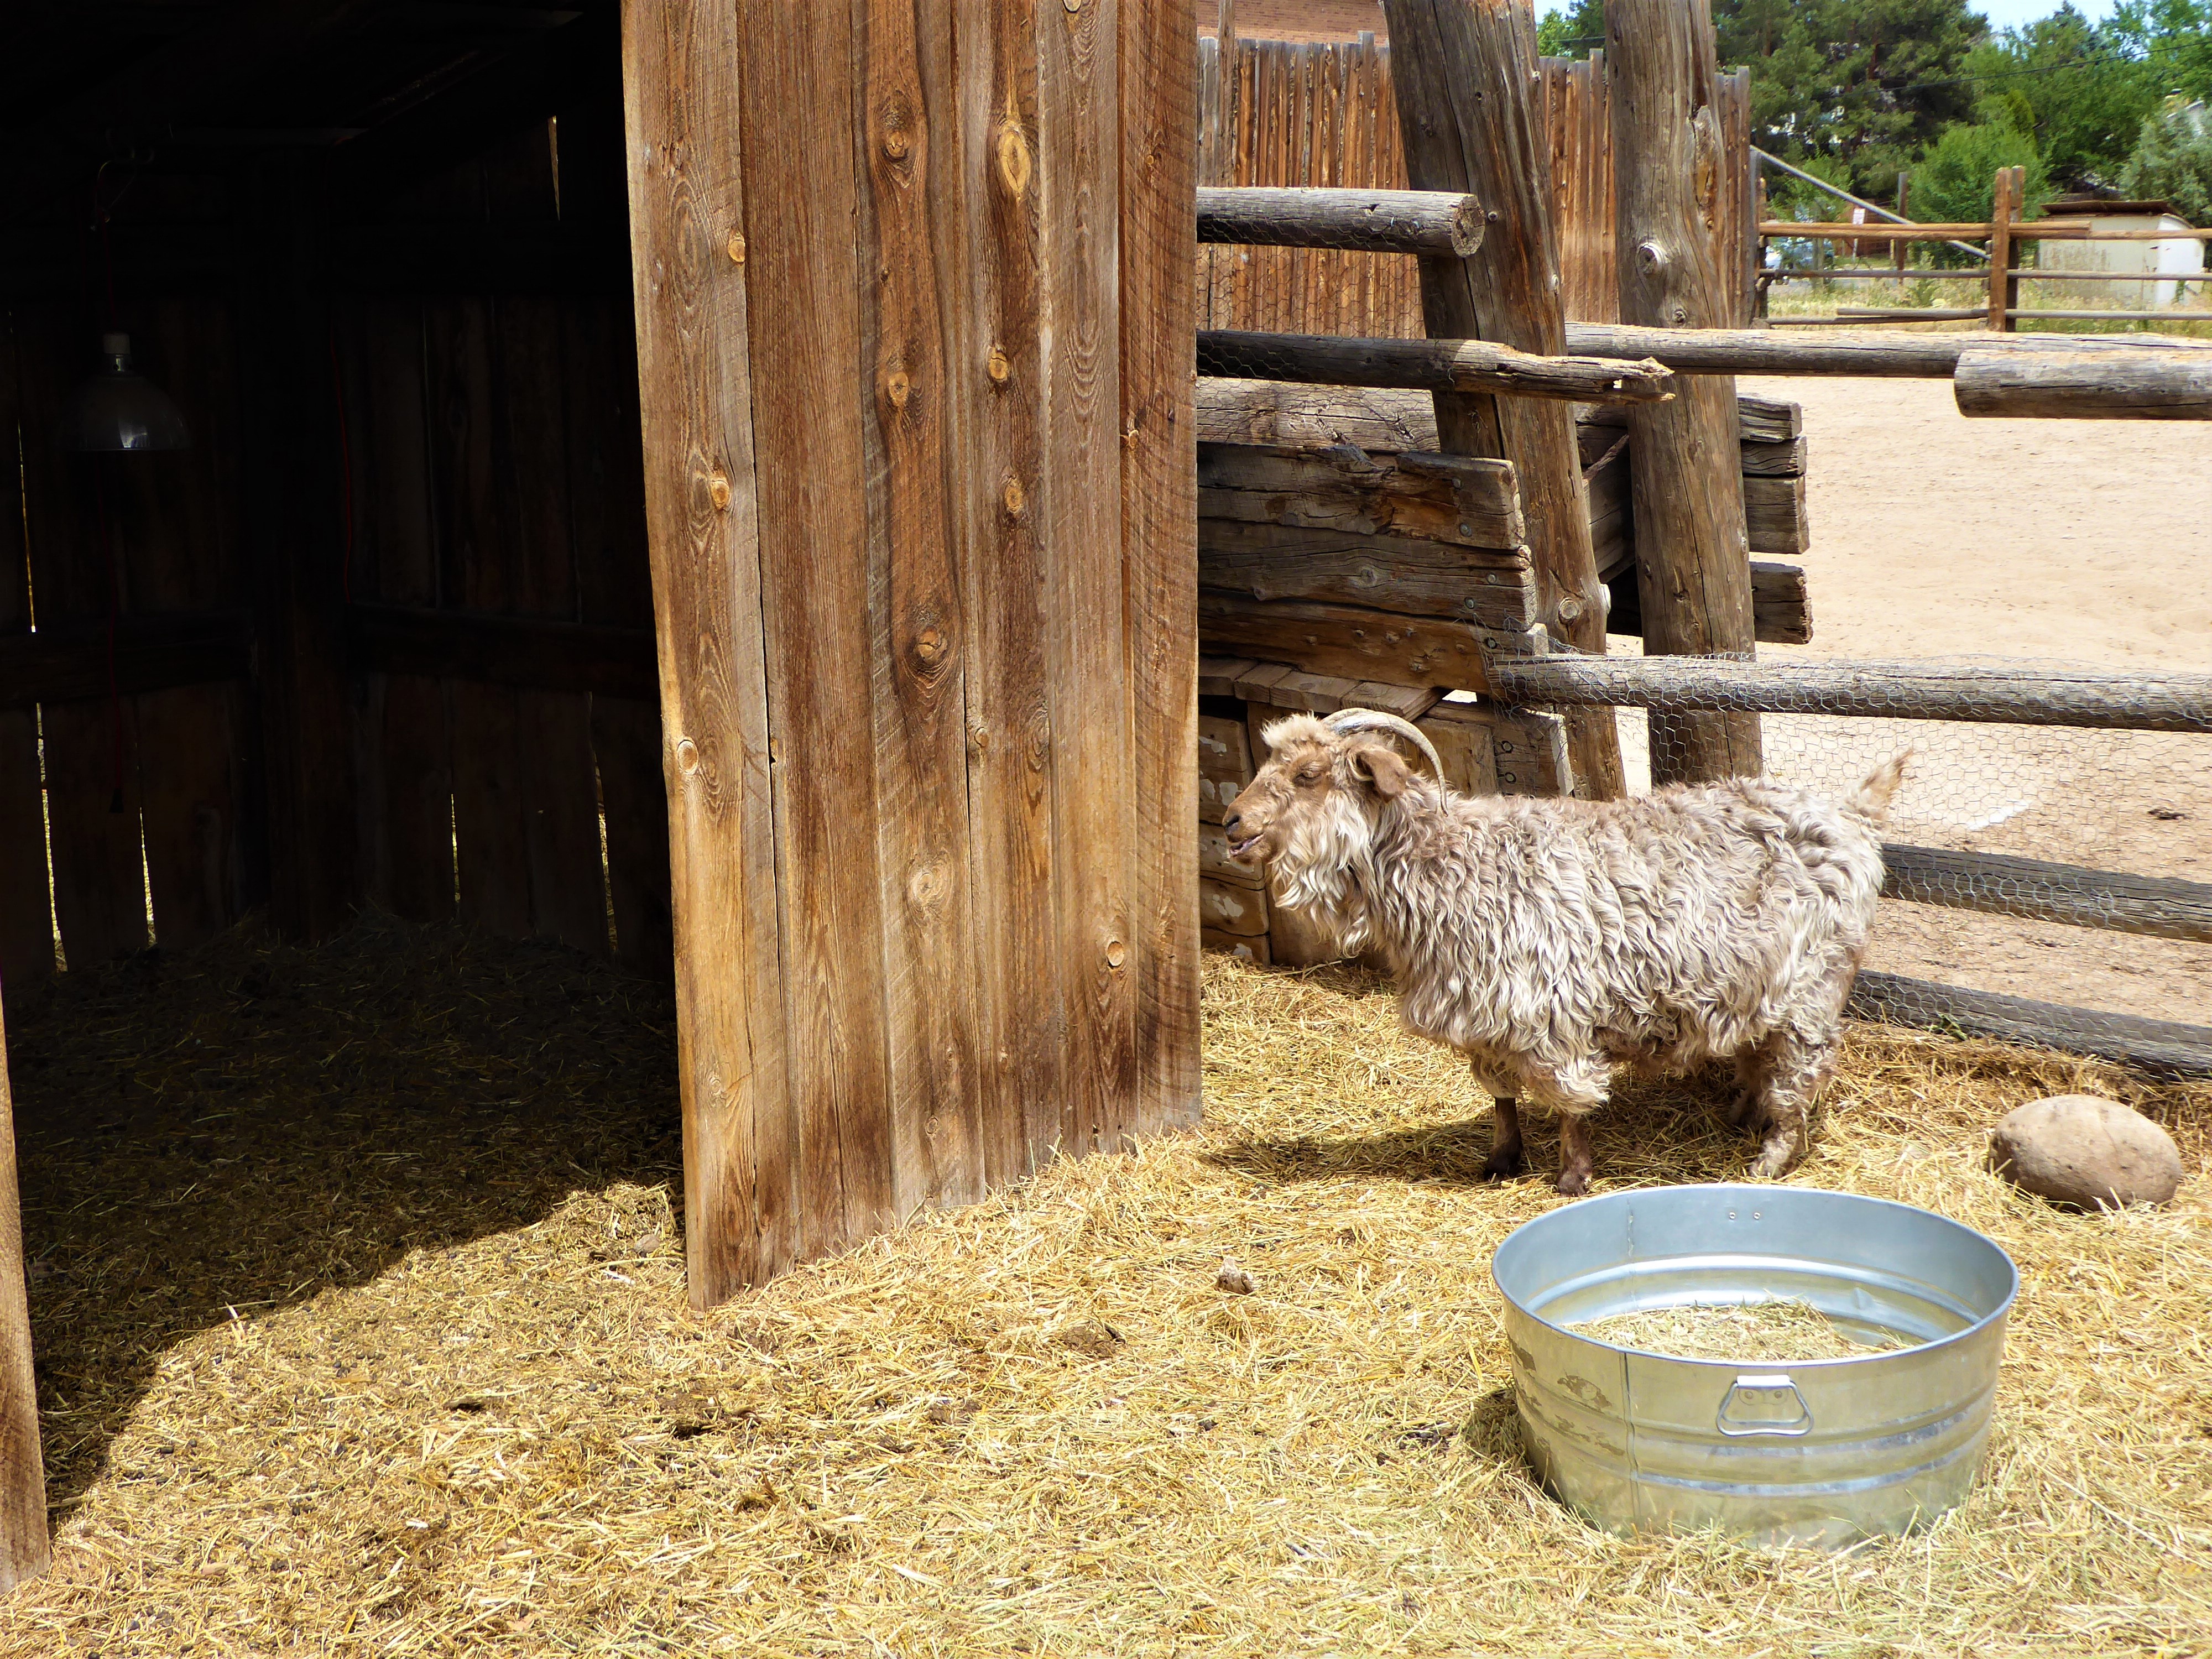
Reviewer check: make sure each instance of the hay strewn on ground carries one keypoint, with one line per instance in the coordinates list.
(1033, 1427)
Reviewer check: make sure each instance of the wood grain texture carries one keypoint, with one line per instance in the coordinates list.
(1462, 500)
(402, 740)
(2094, 698)
(1224, 764)
(1463, 733)
(2043, 891)
(1345, 639)
(684, 108)
(1159, 549)
(911, 228)
(1334, 218)
(24, 1552)
(627, 744)
(1468, 90)
(2118, 383)
(1381, 418)
(1396, 573)
(807, 289)
(2160, 1046)
(998, 381)
(1079, 495)
(1442, 364)
(1693, 561)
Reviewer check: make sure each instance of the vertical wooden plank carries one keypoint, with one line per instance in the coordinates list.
(1209, 159)
(1159, 549)
(477, 563)
(1080, 151)
(27, 938)
(75, 575)
(294, 542)
(23, 1547)
(800, 207)
(1466, 76)
(914, 326)
(683, 74)
(1021, 996)
(615, 588)
(406, 767)
(178, 539)
(560, 808)
(626, 747)
(1692, 562)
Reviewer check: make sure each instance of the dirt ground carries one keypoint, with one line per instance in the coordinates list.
(2087, 542)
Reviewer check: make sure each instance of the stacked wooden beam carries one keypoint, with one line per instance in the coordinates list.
(1397, 429)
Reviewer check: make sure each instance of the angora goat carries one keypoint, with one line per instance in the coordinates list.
(1549, 940)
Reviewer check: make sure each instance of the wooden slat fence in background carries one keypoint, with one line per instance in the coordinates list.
(1320, 113)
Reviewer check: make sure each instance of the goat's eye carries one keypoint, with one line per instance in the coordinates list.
(1309, 774)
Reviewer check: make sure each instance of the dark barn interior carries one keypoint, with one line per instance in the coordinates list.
(380, 634)
(373, 633)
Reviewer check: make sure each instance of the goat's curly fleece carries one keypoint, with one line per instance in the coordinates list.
(1549, 940)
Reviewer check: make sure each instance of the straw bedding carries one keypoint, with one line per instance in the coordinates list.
(1780, 1332)
(360, 1299)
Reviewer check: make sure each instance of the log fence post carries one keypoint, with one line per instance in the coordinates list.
(1692, 557)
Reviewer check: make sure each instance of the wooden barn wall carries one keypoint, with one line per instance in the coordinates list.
(914, 310)
(146, 792)
(460, 423)
(497, 475)
(1320, 113)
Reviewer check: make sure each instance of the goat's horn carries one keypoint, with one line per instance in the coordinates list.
(1374, 720)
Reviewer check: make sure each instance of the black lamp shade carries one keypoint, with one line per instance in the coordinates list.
(119, 411)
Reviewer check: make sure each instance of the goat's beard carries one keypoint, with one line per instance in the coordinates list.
(1326, 867)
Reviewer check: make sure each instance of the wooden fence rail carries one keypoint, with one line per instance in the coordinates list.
(1432, 222)
(1997, 694)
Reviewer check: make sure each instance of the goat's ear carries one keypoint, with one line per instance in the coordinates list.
(1380, 765)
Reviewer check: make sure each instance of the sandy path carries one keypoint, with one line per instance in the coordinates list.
(2085, 541)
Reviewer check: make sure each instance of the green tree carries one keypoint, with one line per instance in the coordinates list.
(1956, 180)
(1572, 32)
(2174, 39)
(1864, 83)
(2173, 162)
(2081, 91)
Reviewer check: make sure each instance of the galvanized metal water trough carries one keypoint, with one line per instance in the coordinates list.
(1820, 1453)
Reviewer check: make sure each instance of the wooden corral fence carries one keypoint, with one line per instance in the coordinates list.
(1324, 115)
(2005, 236)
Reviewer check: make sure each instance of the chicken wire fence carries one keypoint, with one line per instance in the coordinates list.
(2044, 880)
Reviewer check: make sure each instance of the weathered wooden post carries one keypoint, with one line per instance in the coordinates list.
(1470, 97)
(2004, 286)
(24, 1549)
(1692, 560)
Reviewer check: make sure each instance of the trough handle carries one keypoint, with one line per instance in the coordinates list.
(1743, 1423)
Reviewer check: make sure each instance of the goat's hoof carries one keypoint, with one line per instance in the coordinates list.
(1503, 1166)
(1574, 1183)
(1772, 1165)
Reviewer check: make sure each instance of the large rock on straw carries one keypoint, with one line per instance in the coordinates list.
(2079, 1150)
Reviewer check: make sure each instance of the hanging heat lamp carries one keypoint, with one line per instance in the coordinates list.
(118, 411)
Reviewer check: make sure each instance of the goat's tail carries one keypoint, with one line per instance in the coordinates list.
(1870, 801)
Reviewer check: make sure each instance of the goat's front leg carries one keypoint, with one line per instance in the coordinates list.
(1506, 1159)
(1575, 1160)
